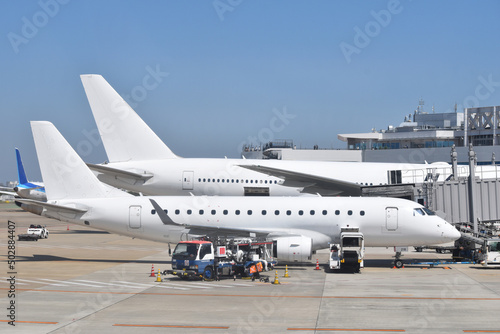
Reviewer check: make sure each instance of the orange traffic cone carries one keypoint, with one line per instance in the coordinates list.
(152, 271)
(317, 265)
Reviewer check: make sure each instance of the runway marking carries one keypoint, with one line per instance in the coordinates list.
(173, 326)
(257, 296)
(68, 282)
(481, 331)
(38, 282)
(113, 284)
(154, 285)
(208, 285)
(87, 247)
(33, 322)
(347, 329)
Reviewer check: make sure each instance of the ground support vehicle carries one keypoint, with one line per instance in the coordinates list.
(490, 254)
(349, 254)
(34, 233)
(229, 257)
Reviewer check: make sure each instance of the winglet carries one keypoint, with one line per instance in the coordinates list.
(165, 219)
(20, 169)
(124, 134)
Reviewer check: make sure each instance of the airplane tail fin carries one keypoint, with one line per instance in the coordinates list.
(124, 134)
(64, 173)
(20, 169)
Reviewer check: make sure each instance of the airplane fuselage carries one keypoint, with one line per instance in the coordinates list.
(383, 221)
(225, 177)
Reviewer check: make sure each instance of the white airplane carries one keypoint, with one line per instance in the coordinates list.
(139, 161)
(24, 189)
(298, 225)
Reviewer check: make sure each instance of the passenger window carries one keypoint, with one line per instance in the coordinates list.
(349, 212)
(288, 212)
(177, 211)
(201, 212)
(264, 212)
(337, 212)
(189, 212)
(225, 212)
(214, 212)
(362, 213)
(277, 212)
(237, 212)
(153, 211)
(301, 212)
(325, 212)
(249, 212)
(166, 211)
(312, 212)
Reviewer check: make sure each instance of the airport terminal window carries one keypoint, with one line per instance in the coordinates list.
(264, 212)
(237, 212)
(288, 212)
(337, 212)
(362, 213)
(177, 211)
(249, 212)
(201, 212)
(214, 212)
(349, 212)
(312, 212)
(225, 212)
(277, 212)
(301, 212)
(189, 212)
(325, 212)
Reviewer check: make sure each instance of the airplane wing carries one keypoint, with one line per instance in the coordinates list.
(207, 230)
(312, 184)
(52, 207)
(115, 173)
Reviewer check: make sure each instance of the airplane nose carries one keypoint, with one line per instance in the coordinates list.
(451, 233)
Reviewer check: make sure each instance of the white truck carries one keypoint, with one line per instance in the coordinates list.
(349, 254)
(34, 233)
(490, 255)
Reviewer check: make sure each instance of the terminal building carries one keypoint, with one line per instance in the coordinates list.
(421, 137)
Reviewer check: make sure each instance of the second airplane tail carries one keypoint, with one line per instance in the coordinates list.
(20, 169)
(64, 173)
(126, 137)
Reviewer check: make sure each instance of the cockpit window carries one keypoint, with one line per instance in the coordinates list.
(429, 212)
(418, 212)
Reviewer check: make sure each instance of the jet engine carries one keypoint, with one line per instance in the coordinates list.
(293, 249)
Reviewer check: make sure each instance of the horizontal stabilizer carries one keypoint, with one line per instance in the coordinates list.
(312, 184)
(52, 207)
(114, 172)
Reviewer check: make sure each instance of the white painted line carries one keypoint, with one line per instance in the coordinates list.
(113, 284)
(68, 282)
(213, 285)
(154, 285)
(37, 282)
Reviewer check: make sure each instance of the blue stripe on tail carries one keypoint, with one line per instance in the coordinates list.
(20, 169)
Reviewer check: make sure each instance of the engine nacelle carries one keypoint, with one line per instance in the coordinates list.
(293, 249)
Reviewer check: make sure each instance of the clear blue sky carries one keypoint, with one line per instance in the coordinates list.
(336, 66)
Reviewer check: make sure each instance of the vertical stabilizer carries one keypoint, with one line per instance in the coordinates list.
(64, 173)
(21, 175)
(126, 137)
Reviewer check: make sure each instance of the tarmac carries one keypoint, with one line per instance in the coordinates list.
(82, 280)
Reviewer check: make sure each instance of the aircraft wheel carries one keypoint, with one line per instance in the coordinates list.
(398, 264)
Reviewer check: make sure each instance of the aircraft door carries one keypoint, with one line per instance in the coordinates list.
(187, 180)
(391, 219)
(134, 218)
